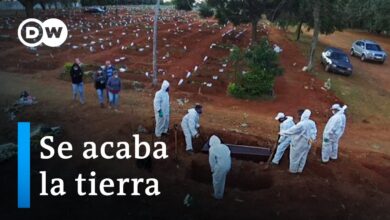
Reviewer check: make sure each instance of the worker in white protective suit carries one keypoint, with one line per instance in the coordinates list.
(333, 131)
(220, 164)
(286, 122)
(162, 110)
(190, 126)
(302, 135)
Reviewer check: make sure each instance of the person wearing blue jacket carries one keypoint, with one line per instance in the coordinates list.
(108, 72)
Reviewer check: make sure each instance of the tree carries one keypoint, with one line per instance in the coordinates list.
(29, 7)
(205, 11)
(316, 33)
(295, 12)
(370, 15)
(243, 11)
(323, 16)
(263, 65)
(185, 5)
(155, 29)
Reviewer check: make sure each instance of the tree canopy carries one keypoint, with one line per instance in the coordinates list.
(185, 5)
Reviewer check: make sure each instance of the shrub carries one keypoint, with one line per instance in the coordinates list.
(205, 11)
(254, 84)
(67, 67)
(65, 75)
(263, 66)
(263, 56)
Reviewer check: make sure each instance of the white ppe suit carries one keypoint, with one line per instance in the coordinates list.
(284, 141)
(190, 125)
(161, 109)
(220, 164)
(333, 131)
(302, 135)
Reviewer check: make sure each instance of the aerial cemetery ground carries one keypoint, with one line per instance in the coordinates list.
(193, 56)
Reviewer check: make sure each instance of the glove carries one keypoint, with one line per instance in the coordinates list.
(326, 140)
(160, 113)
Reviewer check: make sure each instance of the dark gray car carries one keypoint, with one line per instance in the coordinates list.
(335, 60)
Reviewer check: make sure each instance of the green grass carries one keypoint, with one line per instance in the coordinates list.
(366, 100)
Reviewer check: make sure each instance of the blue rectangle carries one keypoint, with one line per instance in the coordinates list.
(23, 164)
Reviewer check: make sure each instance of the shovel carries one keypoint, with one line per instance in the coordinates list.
(272, 154)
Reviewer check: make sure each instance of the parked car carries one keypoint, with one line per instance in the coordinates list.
(368, 50)
(335, 60)
(95, 10)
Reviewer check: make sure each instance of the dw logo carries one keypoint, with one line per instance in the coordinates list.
(52, 32)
